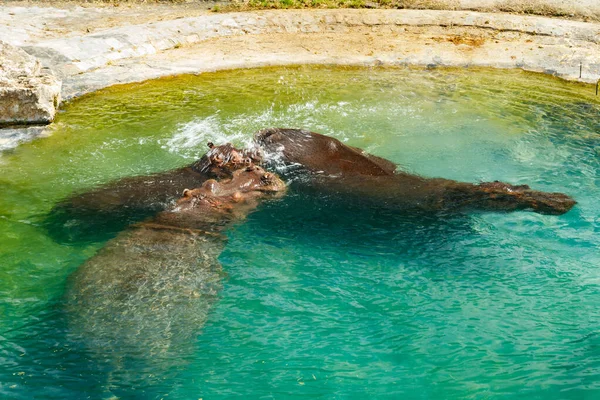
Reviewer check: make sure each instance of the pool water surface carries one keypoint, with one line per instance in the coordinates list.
(322, 300)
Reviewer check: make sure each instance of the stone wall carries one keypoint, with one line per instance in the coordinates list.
(29, 94)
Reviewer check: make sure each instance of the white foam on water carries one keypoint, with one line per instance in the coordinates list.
(13, 137)
(537, 149)
(190, 138)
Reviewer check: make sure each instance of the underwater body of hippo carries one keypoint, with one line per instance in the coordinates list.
(148, 291)
(334, 168)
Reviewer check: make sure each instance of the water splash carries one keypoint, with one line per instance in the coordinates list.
(190, 137)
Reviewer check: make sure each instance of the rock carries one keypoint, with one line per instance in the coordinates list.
(29, 94)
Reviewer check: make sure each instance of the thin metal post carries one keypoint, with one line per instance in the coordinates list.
(580, 69)
(597, 86)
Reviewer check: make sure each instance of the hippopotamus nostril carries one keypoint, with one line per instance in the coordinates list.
(266, 177)
(235, 157)
(250, 168)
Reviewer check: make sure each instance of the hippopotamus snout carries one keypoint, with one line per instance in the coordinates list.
(550, 203)
(523, 197)
(221, 161)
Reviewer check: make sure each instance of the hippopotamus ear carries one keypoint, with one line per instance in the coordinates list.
(186, 192)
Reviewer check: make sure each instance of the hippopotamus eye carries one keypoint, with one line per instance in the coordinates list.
(210, 145)
(247, 160)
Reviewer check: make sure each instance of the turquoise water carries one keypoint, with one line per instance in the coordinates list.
(322, 300)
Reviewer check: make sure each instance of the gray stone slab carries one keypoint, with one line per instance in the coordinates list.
(29, 94)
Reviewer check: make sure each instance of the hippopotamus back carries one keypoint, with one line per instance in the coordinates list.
(320, 154)
(149, 290)
(107, 209)
(351, 174)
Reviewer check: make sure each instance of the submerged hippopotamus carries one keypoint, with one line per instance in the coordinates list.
(149, 290)
(335, 168)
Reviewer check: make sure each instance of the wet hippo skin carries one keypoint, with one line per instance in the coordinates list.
(154, 191)
(327, 165)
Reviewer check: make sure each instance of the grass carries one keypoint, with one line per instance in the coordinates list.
(246, 5)
(534, 7)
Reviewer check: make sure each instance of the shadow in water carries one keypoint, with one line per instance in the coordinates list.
(361, 226)
(68, 224)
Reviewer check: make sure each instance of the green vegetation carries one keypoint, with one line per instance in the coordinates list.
(512, 6)
(299, 4)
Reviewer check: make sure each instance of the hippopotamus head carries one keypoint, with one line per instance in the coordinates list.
(502, 196)
(213, 205)
(508, 197)
(221, 161)
(246, 186)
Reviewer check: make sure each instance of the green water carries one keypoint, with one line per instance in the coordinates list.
(321, 300)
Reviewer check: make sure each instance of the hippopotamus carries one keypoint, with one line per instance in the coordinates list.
(334, 168)
(148, 291)
(154, 191)
(326, 165)
(111, 207)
